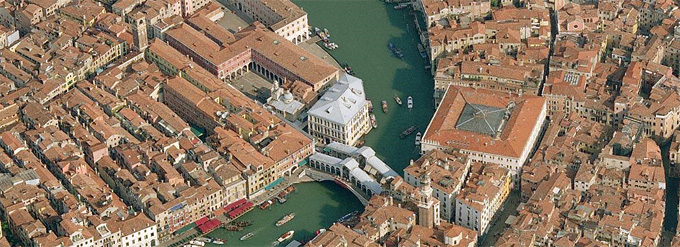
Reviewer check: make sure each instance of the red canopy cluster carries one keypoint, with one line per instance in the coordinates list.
(234, 205)
(209, 225)
(240, 210)
(202, 221)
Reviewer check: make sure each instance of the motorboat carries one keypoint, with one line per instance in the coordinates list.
(398, 100)
(422, 51)
(247, 236)
(409, 102)
(195, 242)
(285, 219)
(374, 122)
(418, 136)
(286, 236)
(384, 106)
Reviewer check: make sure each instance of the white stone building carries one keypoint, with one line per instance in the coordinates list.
(341, 115)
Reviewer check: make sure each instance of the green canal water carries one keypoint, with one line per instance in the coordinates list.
(362, 29)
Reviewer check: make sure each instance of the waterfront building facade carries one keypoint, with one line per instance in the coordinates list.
(282, 17)
(253, 48)
(341, 115)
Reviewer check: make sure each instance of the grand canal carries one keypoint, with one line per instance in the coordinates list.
(317, 205)
(362, 29)
(363, 39)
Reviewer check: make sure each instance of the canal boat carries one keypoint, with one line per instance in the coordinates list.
(285, 219)
(202, 239)
(401, 6)
(396, 51)
(418, 136)
(194, 242)
(290, 189)
(408, 131)
(286, 236)
(247, 236)
(409, 101)
(243, 223)
(374, 122)
(347, 216)
(234, 228)
(397, 99)
(422, 52)
(266, 204)
(330, 45)
(348, 70)
(384, 106)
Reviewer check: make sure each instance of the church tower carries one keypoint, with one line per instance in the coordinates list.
(139, 32)
(428, 207)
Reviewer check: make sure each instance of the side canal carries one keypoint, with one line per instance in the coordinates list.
(363, 29)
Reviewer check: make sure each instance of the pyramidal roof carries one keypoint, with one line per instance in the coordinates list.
(342, 101)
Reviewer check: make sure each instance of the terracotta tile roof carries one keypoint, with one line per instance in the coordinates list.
(513, 137)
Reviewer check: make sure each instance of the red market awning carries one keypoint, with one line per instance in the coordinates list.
(202, 221)
(209, 226)
(235, 205)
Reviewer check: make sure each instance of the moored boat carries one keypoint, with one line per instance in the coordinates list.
(409, 101)
(247, 236)
(408, 131)
(401, 6)
(374, 122)
(234, 228)
(384, 106)
(265, 205)
(348, 70)
(218, 241)
(370, 105)
(418, 136)
(194, 242)
(397, 99)
(286, 236)
(285, 219)
(421, 50)
(347, 216)
(202, 239)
